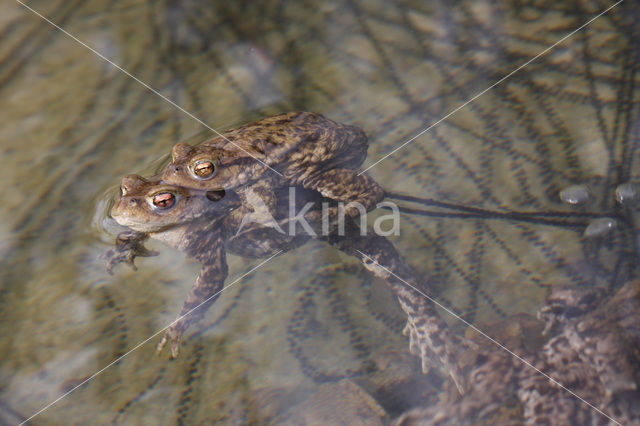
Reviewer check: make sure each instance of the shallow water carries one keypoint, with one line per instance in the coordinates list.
(72, 125)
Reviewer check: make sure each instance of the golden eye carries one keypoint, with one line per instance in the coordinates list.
(204, 169)
(164, 200)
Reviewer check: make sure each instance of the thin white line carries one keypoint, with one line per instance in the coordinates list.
(493, 340)
(491, 87)
(146, 340)
(147, 86)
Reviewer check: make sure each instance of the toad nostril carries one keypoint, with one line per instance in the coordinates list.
(177, 169)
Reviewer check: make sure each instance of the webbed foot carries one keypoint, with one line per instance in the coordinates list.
(129, 245)
(172, 335)
(436, 348)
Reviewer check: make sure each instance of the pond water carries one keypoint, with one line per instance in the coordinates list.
(309, 337)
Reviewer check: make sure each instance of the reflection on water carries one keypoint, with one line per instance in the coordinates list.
(310, 329)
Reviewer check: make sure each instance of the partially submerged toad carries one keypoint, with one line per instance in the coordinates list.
(204, 234)
(304, 148)
(261, 163)
(595, 353)
(183, 220)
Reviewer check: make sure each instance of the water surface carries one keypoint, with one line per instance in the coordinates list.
(72, 125)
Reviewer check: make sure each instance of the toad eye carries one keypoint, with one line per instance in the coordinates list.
(164, 200)
(203, 169)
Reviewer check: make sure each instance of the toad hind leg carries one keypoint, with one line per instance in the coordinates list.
(429, 336)
(359, 194)
(202, 295)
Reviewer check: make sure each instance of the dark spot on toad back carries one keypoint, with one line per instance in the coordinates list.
(216, 195)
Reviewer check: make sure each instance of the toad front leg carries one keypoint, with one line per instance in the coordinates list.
(203, 294)
(129, 245)
(259, 204)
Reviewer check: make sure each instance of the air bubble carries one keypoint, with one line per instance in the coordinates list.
(600, 227)
(575, 194)
(626, 193)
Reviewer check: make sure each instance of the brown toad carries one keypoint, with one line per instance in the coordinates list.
(593, 358)
(291, 149)
(206, 236)
(182, 220)
(604, 331)
(202, 224)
